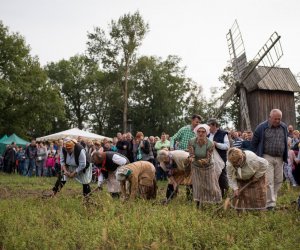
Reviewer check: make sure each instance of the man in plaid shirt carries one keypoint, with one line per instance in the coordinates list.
(185, 134)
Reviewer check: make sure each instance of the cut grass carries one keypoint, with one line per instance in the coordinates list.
(65, 222)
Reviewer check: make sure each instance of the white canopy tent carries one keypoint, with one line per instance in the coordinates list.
(72, 133)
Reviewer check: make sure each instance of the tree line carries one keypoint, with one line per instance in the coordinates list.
(108, 88)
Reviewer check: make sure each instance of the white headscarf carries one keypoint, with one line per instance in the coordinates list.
(205, 126)
(122, 173)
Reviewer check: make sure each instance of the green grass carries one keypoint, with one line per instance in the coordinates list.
(29, 222)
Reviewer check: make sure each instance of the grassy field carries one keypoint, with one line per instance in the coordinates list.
(27, 221)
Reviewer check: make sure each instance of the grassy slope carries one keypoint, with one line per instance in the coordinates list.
(29, 222)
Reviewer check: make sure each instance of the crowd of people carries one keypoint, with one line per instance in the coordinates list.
(202, 156)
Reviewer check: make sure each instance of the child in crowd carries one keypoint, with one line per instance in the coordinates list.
(50, 164)
(57, 166)
(288, 168)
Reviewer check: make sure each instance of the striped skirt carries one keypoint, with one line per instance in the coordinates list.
(205, 185)
(253, 197)
(148, 192)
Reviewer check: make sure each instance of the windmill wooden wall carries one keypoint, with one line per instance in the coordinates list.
(269, 88)
(261, 102)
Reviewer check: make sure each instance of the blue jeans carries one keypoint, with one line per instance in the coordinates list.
(39, 168)
(30, 167)
(22, 167)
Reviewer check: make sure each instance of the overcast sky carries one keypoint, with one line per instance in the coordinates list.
(194, 30)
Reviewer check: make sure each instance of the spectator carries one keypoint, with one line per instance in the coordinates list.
(236, 140)
(144, 150)
(163, 143)
(290, 131)
(220, 140)
(50, 163)
(185, 134)
(41, 160)
(270, 142)
(246, 144)
(31, 155)
(21, 159)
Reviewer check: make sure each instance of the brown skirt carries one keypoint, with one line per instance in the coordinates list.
(181, 177)
(253, 196)
(205, 185)
(148, 192)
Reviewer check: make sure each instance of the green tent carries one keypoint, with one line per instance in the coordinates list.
(13, 138)
(3, 138)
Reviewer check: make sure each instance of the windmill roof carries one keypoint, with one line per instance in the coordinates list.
(272, 79)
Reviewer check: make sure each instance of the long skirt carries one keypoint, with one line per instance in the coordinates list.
(253, 197)
(148, 192)
(205, 185)
(181, 177)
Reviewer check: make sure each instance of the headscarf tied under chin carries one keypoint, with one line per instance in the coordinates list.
(205, 126)
(122, 173)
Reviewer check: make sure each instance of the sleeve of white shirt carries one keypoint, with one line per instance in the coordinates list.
(225, 145)
(62, 158)
(81, 161)
(231, 176)
(119, 160)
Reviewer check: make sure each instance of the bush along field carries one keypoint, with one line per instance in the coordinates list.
(29, 221)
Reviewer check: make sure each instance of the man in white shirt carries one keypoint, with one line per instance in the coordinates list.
(222, 144)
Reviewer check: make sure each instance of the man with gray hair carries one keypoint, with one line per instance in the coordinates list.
(270, 142)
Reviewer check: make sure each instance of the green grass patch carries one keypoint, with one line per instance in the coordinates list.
(27, 221)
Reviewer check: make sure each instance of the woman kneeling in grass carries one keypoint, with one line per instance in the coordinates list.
(141, 177)
(246, 168)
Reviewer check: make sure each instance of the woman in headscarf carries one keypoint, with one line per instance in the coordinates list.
(204, 178)
(174, 164)
(141, 177)
(246, 168)
(73, 165)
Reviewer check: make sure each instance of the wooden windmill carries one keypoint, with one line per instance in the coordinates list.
(243, 71)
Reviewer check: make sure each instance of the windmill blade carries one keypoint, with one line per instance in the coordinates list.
(226, 97)
(267, 56)
(244, 110)
(236, 51)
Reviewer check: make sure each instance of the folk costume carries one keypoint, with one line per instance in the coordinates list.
(204, 177)
(109, 162)
(74, 165)
(244, 167)
(141, 177)
(175, 165)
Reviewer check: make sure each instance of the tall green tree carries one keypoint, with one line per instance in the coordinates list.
(104, 111)
(75, 77)
(27, 101)
(160, 95)
(117, 50)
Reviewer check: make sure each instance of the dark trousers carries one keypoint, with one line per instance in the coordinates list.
(61, 181)
(223, 182)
